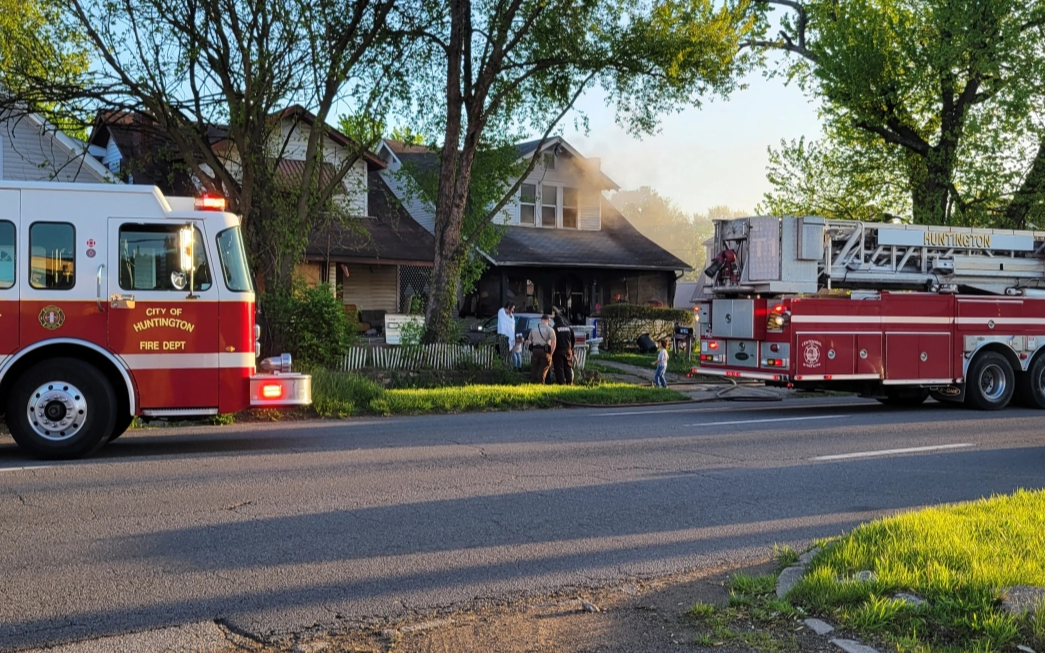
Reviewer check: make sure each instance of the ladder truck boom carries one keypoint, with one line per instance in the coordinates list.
(894, 311)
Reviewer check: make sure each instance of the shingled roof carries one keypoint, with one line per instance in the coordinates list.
(617, 245)
(391, 236)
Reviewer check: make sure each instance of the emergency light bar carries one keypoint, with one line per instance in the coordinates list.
(210, 202)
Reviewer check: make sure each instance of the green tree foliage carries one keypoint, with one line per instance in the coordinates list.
(36, 43)
(310, 323)
(945, 91)
(489, 72)
(838, 179)
(217, 75)
(663, 222)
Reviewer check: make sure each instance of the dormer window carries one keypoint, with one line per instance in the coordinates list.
(528, 204)
(549, 204)
(569, 208)
(549, 160)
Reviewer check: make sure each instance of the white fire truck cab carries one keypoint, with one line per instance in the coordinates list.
(116, 301)
(894, 311)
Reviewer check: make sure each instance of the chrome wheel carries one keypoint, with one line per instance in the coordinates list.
(993, 382)
(57, 411)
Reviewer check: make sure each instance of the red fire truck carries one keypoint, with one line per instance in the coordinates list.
(116, 301)
(892, 311)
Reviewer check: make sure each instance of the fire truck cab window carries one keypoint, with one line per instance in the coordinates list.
(150, 260)
(234, 261)
(52, 255)
(7, 255)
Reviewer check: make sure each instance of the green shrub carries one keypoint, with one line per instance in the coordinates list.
(309, 322)
(335, 394)
(623, 323)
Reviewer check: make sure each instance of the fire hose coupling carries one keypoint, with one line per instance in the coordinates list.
(281, 364)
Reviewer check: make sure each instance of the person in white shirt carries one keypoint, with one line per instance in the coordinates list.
(505, 329)
(662, 366)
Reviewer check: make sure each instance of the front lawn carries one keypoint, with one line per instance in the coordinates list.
(339, 395)
(677, 363)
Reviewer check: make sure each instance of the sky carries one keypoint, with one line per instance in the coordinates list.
(711, 156)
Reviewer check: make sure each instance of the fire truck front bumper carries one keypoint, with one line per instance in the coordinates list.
(738, 374)
(275, 390)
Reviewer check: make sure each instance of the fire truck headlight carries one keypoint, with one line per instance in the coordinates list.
(281, 364)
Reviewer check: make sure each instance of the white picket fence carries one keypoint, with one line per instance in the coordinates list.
(435, 357)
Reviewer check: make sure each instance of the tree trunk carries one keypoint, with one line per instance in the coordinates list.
(1030, 194)
(930, 190)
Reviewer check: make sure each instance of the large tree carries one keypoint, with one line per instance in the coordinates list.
(36, 43)
(948, 87)
(215, 76)
(494, 70)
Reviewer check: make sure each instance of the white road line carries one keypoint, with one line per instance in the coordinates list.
(890, 452)
(720, 408)
(772, 419)
(22, 469)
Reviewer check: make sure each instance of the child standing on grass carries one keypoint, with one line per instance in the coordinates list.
(659, 381)
(517, 352)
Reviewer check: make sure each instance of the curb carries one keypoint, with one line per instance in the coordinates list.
(787, 580)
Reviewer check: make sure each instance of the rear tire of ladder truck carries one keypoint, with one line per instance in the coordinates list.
(61, 408)
(990, 382)
(123, 422)
(1030, 386)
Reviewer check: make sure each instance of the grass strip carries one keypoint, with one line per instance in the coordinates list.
(494, 397)
(340, 395)
(956, 557)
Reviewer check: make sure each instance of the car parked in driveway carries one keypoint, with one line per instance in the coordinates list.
(486, 331)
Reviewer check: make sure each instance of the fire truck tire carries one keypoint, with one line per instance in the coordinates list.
(73, 409)
(123, 422)
(990, 382)
(1030, 386)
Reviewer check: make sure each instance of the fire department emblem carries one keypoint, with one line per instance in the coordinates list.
(52, 317)
(811, 353)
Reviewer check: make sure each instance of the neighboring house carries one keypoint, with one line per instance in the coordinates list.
(33, 149)
(563, 245)
(378, 262)
(684, 291)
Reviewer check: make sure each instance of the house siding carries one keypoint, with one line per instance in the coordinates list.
(418, 209)
(371, 287)
(295, 137)
(31, 154)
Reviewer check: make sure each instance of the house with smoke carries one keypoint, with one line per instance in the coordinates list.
(377, 263)
(563, 244)
(33, 149)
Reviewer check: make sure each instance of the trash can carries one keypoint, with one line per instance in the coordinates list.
(646, 344)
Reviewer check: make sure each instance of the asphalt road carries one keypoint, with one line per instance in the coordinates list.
(277, 527)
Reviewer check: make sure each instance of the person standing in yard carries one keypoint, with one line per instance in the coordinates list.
(506, 330)
(659, 380)
(562, 360)
(517, 351)
(542, 347)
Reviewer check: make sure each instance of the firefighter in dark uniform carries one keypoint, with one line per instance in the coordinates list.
(562, 358)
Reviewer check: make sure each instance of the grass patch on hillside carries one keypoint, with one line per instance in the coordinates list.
(677, 363)
(958, 558)
(340, 395)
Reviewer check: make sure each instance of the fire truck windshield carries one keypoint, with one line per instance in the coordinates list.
(234, 261)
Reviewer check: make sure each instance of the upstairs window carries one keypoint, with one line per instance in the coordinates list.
(52, 256)
(528, 204)
(549, 204)
(569, 208)
(7, 255)
(549, 161)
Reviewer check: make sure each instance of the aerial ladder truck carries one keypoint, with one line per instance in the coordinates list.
(897, 312)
